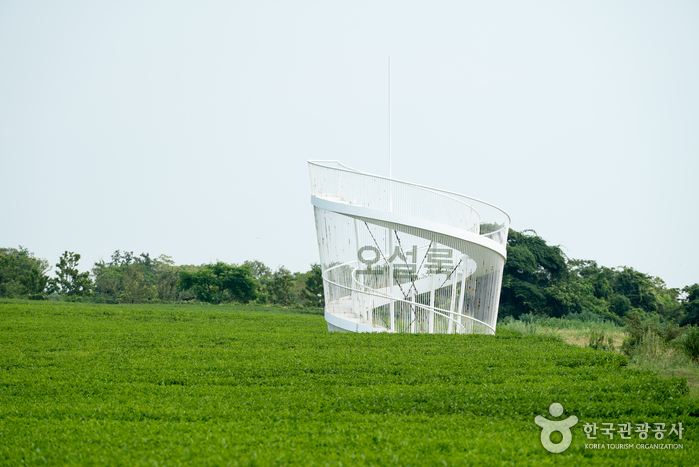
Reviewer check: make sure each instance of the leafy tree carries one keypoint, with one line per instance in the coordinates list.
(599, 278)
(167, 277)
(108, 282)
(258, 269)
(620, 305)
(669, 307)
(532, 267)
(637, 287)
(570, 296)
(138, 282)
(539, 279)
(70, 281)
(128, 278)
(22, 274)
(690, 305)
(219, 282)
(690, 344)
(263, 276)
(280, 287)
(313, 293)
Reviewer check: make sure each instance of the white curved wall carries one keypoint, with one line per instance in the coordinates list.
(401, 257)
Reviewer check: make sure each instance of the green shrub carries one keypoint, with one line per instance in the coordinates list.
(600, 340)
(690, 344)
(671, 332)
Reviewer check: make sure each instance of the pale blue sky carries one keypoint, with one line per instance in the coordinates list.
(184, 127)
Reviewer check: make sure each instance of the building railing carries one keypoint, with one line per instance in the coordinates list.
(336, 182)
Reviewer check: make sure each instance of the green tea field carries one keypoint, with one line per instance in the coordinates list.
(160, 385)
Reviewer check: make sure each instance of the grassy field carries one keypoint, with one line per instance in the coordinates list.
(88, 384)
(653, 354)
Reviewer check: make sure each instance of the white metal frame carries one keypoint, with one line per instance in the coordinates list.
(458, 291)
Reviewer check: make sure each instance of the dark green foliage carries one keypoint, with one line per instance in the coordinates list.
(690, 305)
(69, 281)
(690, 343)
(637, 287)
(280, 287)
(137, 279)
(692, 292)
(220, 282)
(598, 278)
(619, 305)
(639, 331)
(128, 278)
(539, 279)
(532, 267)
(263, 275)
(22, 274)
(670, 332)
(669, 306)
(86, 384)
(313, 293)
(635, 330)
(533, 260)
(259, 270)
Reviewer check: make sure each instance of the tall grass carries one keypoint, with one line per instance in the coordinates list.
(531, 324)
(663, 348)
(651, 346)
(600, 339)
(690, 344)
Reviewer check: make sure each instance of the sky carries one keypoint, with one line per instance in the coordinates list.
(184, 128)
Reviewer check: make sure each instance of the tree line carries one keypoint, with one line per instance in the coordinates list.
(539, 279)
(130, 278)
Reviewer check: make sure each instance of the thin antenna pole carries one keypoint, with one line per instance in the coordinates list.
(391, 306)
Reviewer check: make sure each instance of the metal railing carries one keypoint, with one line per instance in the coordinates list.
(458, 293)
(336, 182)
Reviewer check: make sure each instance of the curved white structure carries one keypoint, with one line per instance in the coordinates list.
(401, 257)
